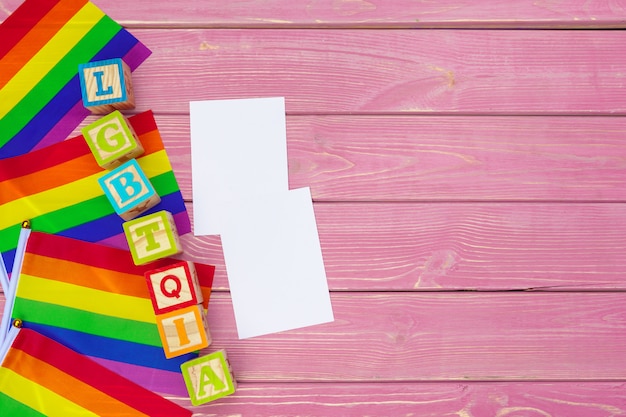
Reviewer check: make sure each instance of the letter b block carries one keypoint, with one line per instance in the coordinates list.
(183, 331)
(112, 140)
(174, 286)
(152, 237)
(106, 86)
(208, 377)
(129, 190)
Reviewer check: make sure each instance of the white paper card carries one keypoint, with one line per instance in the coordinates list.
(239, 150)
(274, 264)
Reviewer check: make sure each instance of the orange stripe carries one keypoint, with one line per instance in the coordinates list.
(65, 385)
(37, 37)
(76, 273)
(67, 172)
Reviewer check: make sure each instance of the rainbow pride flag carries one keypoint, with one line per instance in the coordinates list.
(40, 377)
(93, 299)
(41, 45)
(57, 189)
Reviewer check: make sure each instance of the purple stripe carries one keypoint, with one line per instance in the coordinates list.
(136, 55)
(156, 380)
(65, 126)
(119, 241)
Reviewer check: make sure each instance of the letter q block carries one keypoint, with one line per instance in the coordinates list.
(106, 85)
(208, 377)
(174, 286)
(112, 140)
(183, 331)
(152, 237)
(129, 190)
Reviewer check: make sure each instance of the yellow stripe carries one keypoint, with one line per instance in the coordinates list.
(39, 398)
(67, 195)
(41, 64)
(86, 299)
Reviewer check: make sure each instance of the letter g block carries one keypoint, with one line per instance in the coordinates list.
(173, 287)
(129, 190)
(112, 140)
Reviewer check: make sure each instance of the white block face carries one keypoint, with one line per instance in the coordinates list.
(127, 187)
(103, 83)
(209, 379)
(171, 287)
(183, 331)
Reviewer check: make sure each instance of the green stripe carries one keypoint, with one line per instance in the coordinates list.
(57, 78)
(86, 322)
(11, 407)
(78, 214)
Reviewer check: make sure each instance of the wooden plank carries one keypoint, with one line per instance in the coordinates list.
(394, 71)
(555, 399)
(438, 337)
(478, 246)
(363, 13)
(407, 158)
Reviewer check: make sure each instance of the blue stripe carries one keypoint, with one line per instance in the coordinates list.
(113, 349)
(62, 103)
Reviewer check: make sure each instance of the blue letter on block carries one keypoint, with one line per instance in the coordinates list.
(127, 187)
(101, 91)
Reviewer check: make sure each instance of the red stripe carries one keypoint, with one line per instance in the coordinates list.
(104, 257)
(91, 373)
(65, 151)
(21, 21)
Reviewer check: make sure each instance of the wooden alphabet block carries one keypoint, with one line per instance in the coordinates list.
(184, 330)
(112, 140)
(209, 377)
(174, 286)
(106, 85)
(129, 190)
(152, 237)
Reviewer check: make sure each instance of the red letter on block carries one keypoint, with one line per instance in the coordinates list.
(173, 287)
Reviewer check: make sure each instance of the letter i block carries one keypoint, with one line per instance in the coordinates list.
(152, 237)
(112, 140)
(106, 85)
(129, 190)
(184, 330)
(174, 286)
(208, 377)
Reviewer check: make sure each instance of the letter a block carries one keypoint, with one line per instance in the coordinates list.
(129, 190)
(106, 86)
(208, 377)
(174, 286)
(112, 140)
(183, 331)
(152, 237)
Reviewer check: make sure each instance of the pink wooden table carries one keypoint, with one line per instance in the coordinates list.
(467, 160)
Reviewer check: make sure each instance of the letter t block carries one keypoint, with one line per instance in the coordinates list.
(106, 85)
(174, 286)
(112, 140)
(129, 190)
(152, 237)
(183, 331)
(208, 377)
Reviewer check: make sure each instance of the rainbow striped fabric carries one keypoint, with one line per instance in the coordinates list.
(41, 45)
(94, 300)
(57, 189)
(39, 376)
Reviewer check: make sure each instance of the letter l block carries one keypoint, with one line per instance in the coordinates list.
(174, 286)
(112, 140)
(106, 85)
(151, 237)
(208, 377)
(129, 190)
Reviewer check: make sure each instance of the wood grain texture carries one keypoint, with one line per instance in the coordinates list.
(394, 71)
(378, 337)
(363, 13)
(453, 246)
(467, 399)
(426, 158)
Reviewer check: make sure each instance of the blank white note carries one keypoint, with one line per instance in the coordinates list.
(239, 149)
(274, 264)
